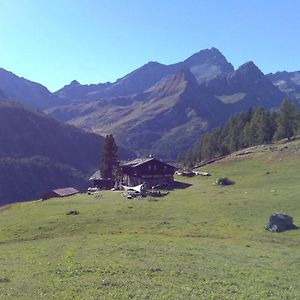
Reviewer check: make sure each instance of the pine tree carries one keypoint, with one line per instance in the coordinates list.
(262, 127)
(109, 156)
(287, 120)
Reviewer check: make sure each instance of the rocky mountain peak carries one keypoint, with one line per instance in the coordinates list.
(212, 55)
(151, 64)
(74, 82)
(249, 68)
(208, 64)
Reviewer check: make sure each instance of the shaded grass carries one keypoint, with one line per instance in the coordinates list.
(204, 242)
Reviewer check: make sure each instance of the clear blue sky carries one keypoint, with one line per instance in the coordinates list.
(55, 41)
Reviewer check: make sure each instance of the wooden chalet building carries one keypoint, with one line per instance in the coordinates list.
(149, 171)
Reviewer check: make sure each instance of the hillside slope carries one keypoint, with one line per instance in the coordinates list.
(38, 153)
(23, 90)
(204, 242)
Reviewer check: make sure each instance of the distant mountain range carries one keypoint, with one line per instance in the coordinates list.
(160, 109)
(288, 83)
(38, 153)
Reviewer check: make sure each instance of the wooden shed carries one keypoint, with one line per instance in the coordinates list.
(101, 183)
(64, 192)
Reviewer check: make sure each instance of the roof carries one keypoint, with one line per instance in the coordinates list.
(136, 162)
(140, 161)
(65, 191)
(97, 176)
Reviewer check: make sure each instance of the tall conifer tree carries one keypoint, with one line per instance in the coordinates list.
(109, 156)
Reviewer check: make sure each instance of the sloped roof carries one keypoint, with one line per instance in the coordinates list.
(96, 175)
(140, 161)
(136, 162)
(65, 191)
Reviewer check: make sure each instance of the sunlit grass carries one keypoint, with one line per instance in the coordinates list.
(204, 242)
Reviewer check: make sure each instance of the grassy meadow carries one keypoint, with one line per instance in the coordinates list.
(203, 242)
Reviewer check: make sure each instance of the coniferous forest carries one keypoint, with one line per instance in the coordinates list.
(254, 127)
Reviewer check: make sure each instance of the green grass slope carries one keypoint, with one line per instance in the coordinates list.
(204, 242)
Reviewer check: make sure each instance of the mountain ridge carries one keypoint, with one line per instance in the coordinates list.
(174, 102)
(141, 107)
(288, 83)
(205, 64)
(23, 90)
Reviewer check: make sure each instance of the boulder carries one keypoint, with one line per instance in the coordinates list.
(224, 181)
(72, 212)
(279, 222)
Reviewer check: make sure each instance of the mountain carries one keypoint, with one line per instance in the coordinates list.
(38, 153)
(208, 64)
(244, 88)
(23, 90)
(205, 65)
(288, 83)
(176, 110)
(76, 92)
(164, 109)
(2, 95)
(163, 120)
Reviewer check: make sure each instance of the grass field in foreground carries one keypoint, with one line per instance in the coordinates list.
(204, 242)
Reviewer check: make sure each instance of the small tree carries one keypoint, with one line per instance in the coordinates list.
(109, 156)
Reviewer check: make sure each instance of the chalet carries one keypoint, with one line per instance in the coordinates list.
(69, 191)
(99, 182)
(149, 171)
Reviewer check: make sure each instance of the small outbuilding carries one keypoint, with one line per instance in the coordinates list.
(100, 182)
(64, 192)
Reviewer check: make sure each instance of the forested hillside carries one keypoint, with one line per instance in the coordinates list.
(37, 153)
(245, 129)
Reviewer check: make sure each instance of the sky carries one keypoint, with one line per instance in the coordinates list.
(56, 41)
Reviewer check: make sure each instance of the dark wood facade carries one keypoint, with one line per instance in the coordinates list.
(149, 171)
